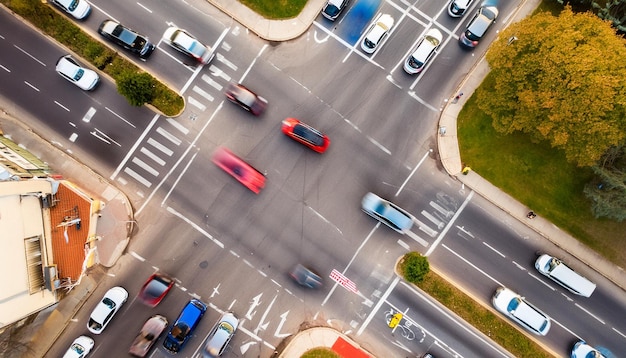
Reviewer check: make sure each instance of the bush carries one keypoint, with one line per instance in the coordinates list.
(414, 267)
(138, 88)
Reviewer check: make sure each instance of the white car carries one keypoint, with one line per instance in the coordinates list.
(184, 42)
(79, 9)
(72, 71)
(583, 350)
(457, 8)
(426, 48)
(113, 299)
(79, 348)
(377, 32)
(522, 312)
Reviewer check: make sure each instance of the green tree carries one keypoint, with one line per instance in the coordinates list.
(138, 88)
(560, 79)
(607, 191)
(414, 267)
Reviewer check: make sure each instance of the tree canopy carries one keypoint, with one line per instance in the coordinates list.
(560, 79)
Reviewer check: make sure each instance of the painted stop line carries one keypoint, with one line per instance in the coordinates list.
(343, 281)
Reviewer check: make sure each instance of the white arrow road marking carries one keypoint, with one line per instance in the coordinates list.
(255, 302)
(283, 318)
(263, 325)
(244, 347)
(216, 290)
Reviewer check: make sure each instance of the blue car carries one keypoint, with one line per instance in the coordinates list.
(388, 213)
(184, 326)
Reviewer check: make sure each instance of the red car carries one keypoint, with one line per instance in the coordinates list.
(246, 99)
(246, 174)
(305, 134)
(155, 289)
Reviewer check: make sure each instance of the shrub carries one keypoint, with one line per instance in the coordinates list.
(414, 267)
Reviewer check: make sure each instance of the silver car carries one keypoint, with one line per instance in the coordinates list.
(184, 42)
(387, 212)
(221, 333)
(522, 312)
(79, 9)
(426, 48)
(457, 8)
(74, 72)
(478, 26)
(377, 33)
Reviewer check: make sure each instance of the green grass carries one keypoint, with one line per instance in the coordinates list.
(538, 176)
(320, 353)
(276, 9)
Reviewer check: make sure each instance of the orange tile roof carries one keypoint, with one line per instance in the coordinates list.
(69, 253)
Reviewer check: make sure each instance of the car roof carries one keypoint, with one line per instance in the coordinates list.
(431, 40)
(484, 18)
(335, 2)
(190, 43)
(528, 314)
(191, 313)
(66, 66)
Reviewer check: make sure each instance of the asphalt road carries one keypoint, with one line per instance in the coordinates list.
(234, 249)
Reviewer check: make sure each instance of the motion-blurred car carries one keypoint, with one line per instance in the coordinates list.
(306, 277)
(79, 348)
(333, 8)
(184, 42)
(184, 326)
(72, 71)
(305, 134)
(426, 48)
(149, 334)
(110, 304)
(246, 174)
(387, 212)
(154, 290)
(582, 350)
(79, 9)
(127, 38)
(221, 333)
(518, 309)
(457, 8)
(478, 26)
(246, 99)
(377, 33)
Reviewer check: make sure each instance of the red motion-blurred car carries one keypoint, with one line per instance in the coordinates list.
(305, 134)
(246, 174)
(155, 289)
(246, 99)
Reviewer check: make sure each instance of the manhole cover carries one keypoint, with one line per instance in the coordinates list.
(204, 264)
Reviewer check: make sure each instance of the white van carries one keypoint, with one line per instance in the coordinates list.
(562, 274)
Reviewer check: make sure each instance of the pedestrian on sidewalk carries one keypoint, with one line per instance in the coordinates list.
(531, 215)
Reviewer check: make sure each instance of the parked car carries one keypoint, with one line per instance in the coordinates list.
(219, 336)
(110, 304)
(184, 326)
(306, 277)
(424, 50)
(518, 309)
(457, 8)
(333, 8)
(74, 72)
(79, 9)
(154, 290)
(582, 350)
(149, 334)
(246, 99)
(79, 348)
(305, 134)
(246, 174)
(184, 42)
(377, 33)
(562, 274)
(127, 38)
(387, 212)
(478, 26)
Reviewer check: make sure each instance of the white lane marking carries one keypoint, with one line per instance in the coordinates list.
(152, 156)
(194, 102)
(90, 112)
(440, 224)
(73, 137)
(379, 145)
(177, 125)
(169, 136)
(494, 250)
(450, 223)
(202, 93)
(432, 108)
(120, 117)
(137, 256)
(618, 332)
(133, 174)
(380, 302)
(4, 68)
(143, 165)
(29, 55)
(540, 280)
(252, 63)
(223, 60)
(472, 265)
(412, 172)
(31, 86)
(62, 106)
(414, 236)
(589, 313)
(196, 227)
(211, 82)
(135, 146)
(160, 147)
(404, 244)
(144, 7)
(100, 134)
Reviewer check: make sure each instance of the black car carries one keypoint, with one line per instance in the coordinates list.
(127, 38)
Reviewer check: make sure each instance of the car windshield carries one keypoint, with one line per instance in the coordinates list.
(331, 10)
(94, 325)
(225, 326)
(513, 304)
(155, 288)
(180, 331)
(308, 134)
(109, 303)
(77, 348)
(79, 74)
(73, 5)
